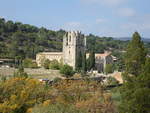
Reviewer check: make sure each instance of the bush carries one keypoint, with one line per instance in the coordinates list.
(112, 81)
(57, 79)
(19, 94)
(109, 69)
(20, 72)
(57, 108)
(67, 71)
(28, 63)
(46, 64)
(54, 64)
(3, 78)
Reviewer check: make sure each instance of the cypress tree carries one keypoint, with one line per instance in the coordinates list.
(79, 61)
(84, 69)
(91, 60)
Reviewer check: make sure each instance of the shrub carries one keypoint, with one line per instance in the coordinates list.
(46, 64)
(20, 72)
(57, 79)
(54, 64)
(67, 71)
(28, 63)
(112, 81)
(109, 68)
(56, 108)
(19, 94)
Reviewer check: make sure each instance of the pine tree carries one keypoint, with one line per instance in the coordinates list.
(135, 55)
(135, 92)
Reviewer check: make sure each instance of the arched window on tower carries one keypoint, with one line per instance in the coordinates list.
(70, 39)
(66, 41)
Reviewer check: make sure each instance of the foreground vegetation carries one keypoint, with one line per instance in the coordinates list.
(135, 92)
(21, 95)
(31, 40)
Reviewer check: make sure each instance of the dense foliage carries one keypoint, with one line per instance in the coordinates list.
(135, 56)
(109, 68)
(28, 63)
(17, 39)
(26, 95)
(135, 92)
(67, 71)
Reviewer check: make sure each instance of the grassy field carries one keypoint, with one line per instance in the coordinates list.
(35, 73)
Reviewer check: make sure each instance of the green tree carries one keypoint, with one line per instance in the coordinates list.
(20, 72)
(109, 69)
(136, 89)
(135, 55)
(84, 67)
(91, 60)
(79, 61)
(135, 93)
(28, 63)
(67, 71)
(46, 64)
(54, 65)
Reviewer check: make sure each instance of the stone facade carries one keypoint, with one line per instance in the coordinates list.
(74, 43)
(40, 57)
(101, 60)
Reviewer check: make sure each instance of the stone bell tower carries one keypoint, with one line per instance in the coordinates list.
(74, 43)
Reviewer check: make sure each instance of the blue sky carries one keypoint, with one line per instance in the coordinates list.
(117, 18)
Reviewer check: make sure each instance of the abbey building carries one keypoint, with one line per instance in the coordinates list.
(74, 43)
(74, 46)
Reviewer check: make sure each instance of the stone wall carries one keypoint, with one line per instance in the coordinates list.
(41, 57)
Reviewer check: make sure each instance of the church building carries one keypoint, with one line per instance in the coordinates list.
(74, 46)
(74, 43)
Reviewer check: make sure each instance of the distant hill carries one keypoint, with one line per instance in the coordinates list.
(129, 38)
(18, 40)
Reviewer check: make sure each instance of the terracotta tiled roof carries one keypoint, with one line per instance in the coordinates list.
(102, 54)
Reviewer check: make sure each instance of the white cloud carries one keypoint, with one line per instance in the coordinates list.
(126, 12)
(105, 2)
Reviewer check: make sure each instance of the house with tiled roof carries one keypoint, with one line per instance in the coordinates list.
(101, 60)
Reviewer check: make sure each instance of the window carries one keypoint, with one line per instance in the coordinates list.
(70, 39)
(67, 41)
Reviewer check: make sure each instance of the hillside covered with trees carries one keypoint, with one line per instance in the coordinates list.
(24, 40)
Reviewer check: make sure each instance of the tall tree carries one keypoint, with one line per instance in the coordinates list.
(136, 89)
(135, 55)
(79, 61)
(84, 69)
(135, 92)
(91, 60)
